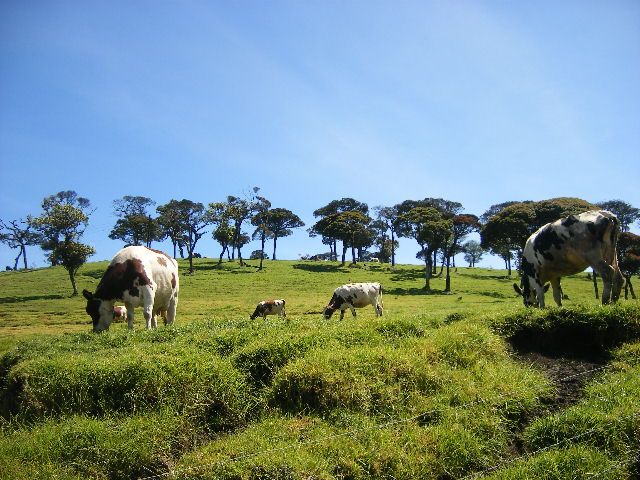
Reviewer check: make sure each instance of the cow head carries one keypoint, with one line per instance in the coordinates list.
(527, 293)
(100, 311)
(334, 304)
(328, 311)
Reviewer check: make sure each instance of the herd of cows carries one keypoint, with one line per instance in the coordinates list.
(140, 276)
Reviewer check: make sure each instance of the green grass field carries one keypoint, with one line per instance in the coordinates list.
(433, 389)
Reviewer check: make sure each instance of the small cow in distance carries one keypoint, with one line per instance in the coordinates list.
(119, 313)
(137, 276)
(566, 247)
(269, 307)
(355, 295)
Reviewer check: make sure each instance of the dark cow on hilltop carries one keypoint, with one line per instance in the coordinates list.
(566, 247)
(355, 295)
(269, 307)
(137, 276)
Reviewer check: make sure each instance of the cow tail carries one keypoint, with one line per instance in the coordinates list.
(615, 233)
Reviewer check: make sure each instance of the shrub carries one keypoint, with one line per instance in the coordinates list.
(130, 380)
(81, 447)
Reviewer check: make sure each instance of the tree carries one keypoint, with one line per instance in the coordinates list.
(64, 218)
(426, 226)
(280, 222)
(170, 222)
(507, 231)
(349, 227)
(185, 221)
(461, 226)
(223, 234)
(497, 208)
(629, 259)
(333, 208)
(472, 252)
(259, 220)
(134, 225)
(18, 234)
(624, 211)
(388, 217)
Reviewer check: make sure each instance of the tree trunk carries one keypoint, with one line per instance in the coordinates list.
(24, 255)
(275, 241)
(447, 284)
(393, 250)
(262, 252)
(633, 294)
(224, 247)
(15, 264)
(335, 251)
(353, 254)
(595, 284)
(73, 282)
(509, 265)
(344, 253)
(427, 269)
(175, 244)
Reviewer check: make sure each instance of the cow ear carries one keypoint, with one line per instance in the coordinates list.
(546, 287)
(87, 294)
(516, 287)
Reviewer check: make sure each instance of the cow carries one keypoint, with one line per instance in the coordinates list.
(355, 295)
(119, 313)
(269, 307)
(138, 276)
(566, 247)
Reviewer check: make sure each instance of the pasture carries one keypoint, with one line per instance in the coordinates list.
(466, 385)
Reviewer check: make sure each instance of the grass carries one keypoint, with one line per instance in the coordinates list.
(430, 390)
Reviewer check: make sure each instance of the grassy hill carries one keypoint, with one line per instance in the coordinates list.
(465, 385)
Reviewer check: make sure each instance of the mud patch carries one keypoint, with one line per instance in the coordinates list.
(568, 374)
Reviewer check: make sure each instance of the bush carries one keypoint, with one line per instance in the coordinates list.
(81, 447)
(579, 330)
(130, 381)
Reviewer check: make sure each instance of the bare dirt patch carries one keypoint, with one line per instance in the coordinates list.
(569, 374)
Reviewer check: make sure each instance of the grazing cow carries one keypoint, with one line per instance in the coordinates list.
(269, 307)
(137, 276)
(355, 295)
(119, 313)
(566, 247)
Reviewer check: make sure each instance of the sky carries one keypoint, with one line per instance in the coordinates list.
(479, 102)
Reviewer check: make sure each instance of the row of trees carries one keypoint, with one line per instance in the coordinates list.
(438, 226)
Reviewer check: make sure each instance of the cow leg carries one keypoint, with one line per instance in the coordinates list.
(539, 295)
(341, 314)
(378, 310)
(557, 291)
(284, 313)
(353, 311)
(607, 272)
(129, 316)
(171, 312)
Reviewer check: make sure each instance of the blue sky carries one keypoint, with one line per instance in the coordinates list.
(477, 102)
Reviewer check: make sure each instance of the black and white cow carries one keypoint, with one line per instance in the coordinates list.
(137, 276)
(269, 307)
(566, 247)
(355, 295)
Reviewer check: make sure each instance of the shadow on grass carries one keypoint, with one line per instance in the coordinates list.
(232, 267)
(414, 291)
(500, 278)
(493, 294)
(30, 298)
(319, 267)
